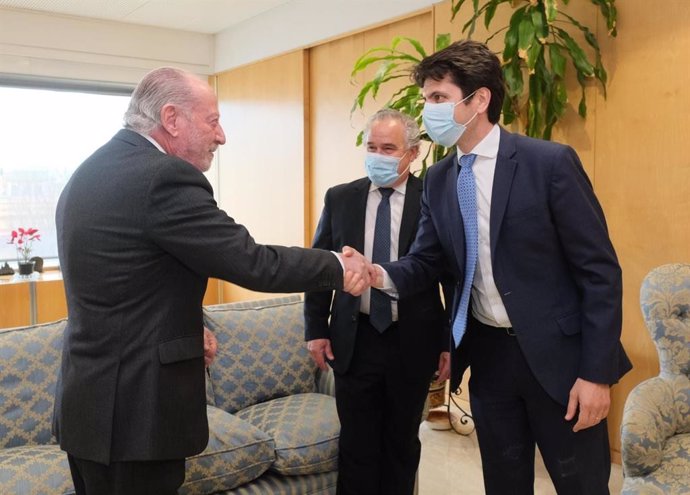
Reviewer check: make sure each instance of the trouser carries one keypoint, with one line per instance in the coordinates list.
(512, 412)
(380, 410)
(127, 478)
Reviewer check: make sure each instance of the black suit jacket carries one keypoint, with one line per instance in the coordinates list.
(139, 233)
(553, 263)
(422, 323)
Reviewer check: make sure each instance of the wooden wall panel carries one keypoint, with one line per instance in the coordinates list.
(334, 157)
(642, 169)
(262, 165)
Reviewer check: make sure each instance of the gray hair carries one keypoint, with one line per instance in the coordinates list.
(412, 133)
(162, 86)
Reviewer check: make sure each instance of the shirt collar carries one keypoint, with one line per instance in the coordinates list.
(401, 188)
(152, 141)
(487, 147)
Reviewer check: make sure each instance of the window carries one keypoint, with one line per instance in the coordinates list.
(46, 134)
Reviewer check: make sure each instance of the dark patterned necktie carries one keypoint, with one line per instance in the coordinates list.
(380, 315)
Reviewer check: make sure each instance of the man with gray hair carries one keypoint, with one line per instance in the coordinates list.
(383, 352)
(139, 235)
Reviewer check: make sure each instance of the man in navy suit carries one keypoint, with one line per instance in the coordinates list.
(382, 370)
(541, 330)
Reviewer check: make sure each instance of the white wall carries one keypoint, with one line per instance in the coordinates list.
(302, 23)
(38, 44)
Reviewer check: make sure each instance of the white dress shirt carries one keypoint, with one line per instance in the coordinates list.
(487, 305)
(397, 201)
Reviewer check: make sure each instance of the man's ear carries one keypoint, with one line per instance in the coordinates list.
(414, 153)
(169, 119)
(483, 98)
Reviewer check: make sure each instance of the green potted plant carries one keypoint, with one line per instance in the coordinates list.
(538, 43)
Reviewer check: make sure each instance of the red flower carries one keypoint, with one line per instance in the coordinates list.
(24, 238)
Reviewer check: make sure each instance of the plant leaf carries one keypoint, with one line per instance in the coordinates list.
(525, 36)
(455, 7)
(577, 54)
(511, 39)
(442, 41)
(541, 28)
(557, 59)
(550, 10)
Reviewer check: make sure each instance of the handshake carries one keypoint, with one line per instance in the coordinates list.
(360, 273)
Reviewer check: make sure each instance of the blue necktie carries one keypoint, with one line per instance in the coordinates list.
(380, 315)
(467, 197)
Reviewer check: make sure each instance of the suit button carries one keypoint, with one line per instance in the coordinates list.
(354, 318)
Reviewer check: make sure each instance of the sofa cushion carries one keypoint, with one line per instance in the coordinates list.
(35, 470)
(236, 453)
(29, 364)
(305, 428)
(311, 484)
(261, 352)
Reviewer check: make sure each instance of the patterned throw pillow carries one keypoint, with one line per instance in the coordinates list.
(305, 428)
(261, 352)
(237, 453)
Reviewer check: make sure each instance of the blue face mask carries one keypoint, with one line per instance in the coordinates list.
(440, 124)
(383, 169)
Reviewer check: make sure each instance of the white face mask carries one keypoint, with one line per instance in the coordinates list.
(440, 124)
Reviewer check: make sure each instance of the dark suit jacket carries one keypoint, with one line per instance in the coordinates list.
(139, 233)
(553, 263)
(422, 324)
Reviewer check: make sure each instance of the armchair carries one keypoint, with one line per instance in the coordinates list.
(655, 432)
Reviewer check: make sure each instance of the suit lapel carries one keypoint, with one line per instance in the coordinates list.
(455, 223)
(503, 180)
(354, 229)
(410, 214)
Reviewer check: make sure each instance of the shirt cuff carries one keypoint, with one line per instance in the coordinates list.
(340, 259)
(388, 284)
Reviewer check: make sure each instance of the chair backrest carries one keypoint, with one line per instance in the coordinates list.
(665, 302)
(261, 352)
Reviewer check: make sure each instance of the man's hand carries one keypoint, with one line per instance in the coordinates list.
(443, 367)
(376, 276)
(593, 401)
(358, 269)
(320, 350)
(210, 347)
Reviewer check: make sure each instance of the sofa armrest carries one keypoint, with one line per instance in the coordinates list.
(325, 382)
(648, 421)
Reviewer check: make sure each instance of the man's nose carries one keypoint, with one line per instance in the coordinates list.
(220, 135)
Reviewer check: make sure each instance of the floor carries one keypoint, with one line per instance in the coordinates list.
(450, 463)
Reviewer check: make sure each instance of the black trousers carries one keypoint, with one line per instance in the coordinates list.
(512, 412)
(380, 410)
(127, 478)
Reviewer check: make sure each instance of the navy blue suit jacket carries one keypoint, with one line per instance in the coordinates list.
(553, 263)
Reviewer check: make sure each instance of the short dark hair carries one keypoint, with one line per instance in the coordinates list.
(471, 65)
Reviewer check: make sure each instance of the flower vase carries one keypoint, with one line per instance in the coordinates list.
(26, 268)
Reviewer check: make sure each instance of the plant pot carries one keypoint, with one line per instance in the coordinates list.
(26, 268)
